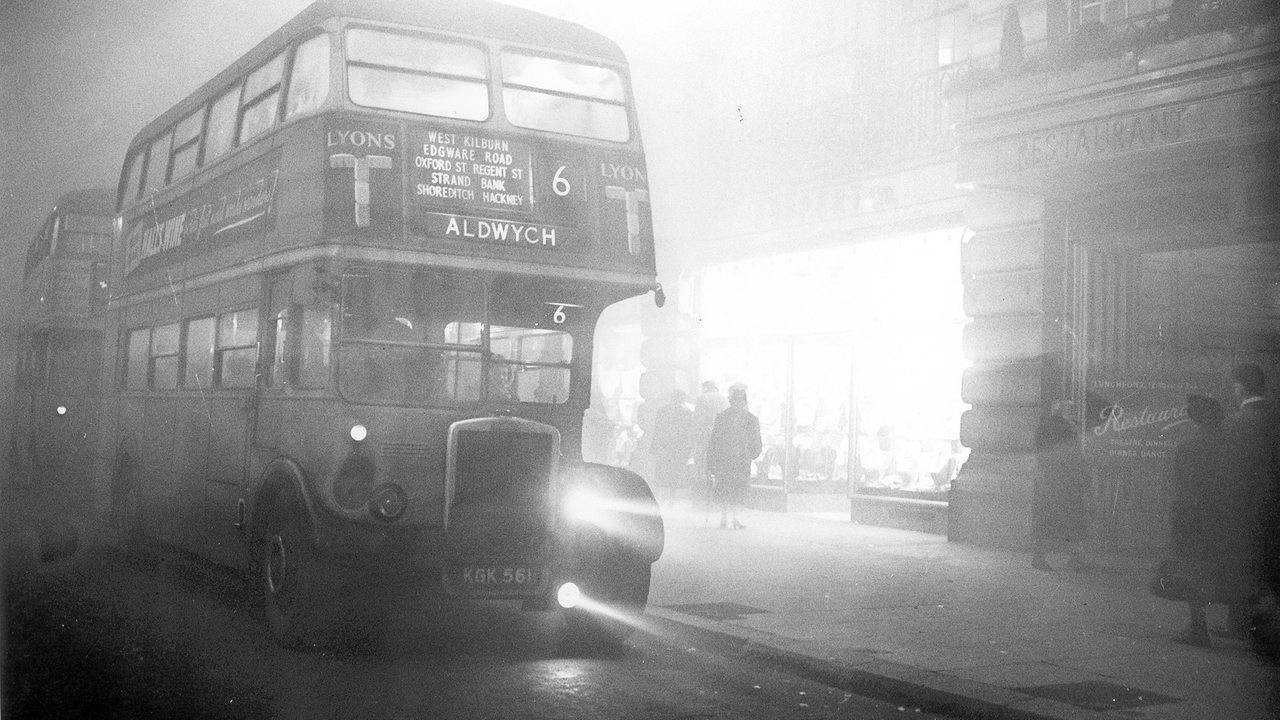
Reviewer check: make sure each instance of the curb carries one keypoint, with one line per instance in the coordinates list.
(931, 691)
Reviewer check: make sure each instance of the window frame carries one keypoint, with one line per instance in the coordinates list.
(220, 350)
(485, 82)
(623, 103)
(186, 352)
(138, 173)
(176, 355)
(135, 360)
(260, 99)
(230, 96)
(286, 113)
(145, 183)
(196, 141)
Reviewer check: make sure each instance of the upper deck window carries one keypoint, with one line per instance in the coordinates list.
(222, 125)
(261, 99)
(565, 97)
(414, 74)
(84, 234)
(157, 162)
(134, 183)
(186, 144)
(309, 79)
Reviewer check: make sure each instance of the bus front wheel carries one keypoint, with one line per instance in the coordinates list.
(288, 571)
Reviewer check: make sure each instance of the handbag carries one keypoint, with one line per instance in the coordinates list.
(1182, 579)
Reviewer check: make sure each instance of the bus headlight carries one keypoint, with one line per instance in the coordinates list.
(569, 595)
(388, 502)
(582, 504)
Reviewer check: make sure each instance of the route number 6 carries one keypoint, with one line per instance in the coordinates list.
(559, 316)
(559, 184)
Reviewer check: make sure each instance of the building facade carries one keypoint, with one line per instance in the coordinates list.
(1123, 199)
(1097, 178)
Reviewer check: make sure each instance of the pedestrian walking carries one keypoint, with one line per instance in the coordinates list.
(672, 446)
(1197, 479)
(1057, 513)
(1252, 542)
(710, 404)
(735, 443)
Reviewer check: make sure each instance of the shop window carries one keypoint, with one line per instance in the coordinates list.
(1114, 12)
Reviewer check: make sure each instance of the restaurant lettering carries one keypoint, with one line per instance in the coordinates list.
(1101, 138)
(1114, 135)
(1140, 418)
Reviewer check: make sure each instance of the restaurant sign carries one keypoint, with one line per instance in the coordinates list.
(1141, 418)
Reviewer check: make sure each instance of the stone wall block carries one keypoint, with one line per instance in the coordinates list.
(1001, 428)
(1002, 250)
(1007, 293)
(993, 210)
(1002, 383)
(1014, 338)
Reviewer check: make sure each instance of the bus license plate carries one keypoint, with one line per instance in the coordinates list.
(496, 578)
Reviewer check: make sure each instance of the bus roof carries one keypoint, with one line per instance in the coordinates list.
(95, 201)
(483, 18)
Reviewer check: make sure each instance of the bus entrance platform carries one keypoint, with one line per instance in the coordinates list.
(946, 627)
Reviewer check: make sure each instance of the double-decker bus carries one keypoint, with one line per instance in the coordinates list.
(355, 284)
(59, 352)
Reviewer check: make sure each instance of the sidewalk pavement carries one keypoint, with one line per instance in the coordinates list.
(946, 627)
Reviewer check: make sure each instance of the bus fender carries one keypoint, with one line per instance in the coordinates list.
(282, 475)
(638, 517)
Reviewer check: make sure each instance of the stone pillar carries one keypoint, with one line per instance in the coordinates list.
(1007, 296)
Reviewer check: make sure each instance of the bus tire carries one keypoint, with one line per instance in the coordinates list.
(291, 594)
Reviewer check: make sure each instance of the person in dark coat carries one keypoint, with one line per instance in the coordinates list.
(672, 445)
(1252, 541)
(735, 443)
(1195, 512)
(709, 404)
(1058, 496)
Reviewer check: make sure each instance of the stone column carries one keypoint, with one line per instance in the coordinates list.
(1009, 294)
